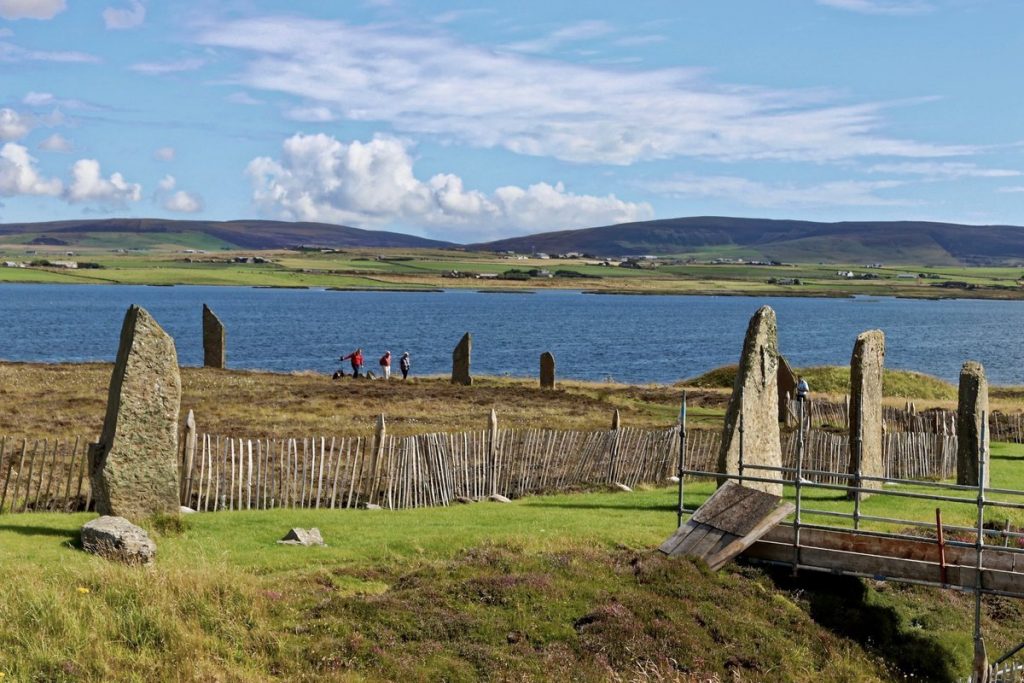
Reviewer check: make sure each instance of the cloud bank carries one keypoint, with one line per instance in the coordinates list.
(319, 178)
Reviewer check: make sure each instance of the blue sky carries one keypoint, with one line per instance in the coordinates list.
(472, 121)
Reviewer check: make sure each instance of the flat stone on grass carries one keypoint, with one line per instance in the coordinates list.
(115, 538)
(306, 537)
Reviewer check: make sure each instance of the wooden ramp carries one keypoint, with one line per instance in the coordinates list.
(727, 524)
(893, 559)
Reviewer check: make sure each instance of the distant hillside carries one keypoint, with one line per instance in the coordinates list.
(243, 234)
(785, 240)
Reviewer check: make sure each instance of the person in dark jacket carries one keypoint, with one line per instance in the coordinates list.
(356, 357)
(405, 364)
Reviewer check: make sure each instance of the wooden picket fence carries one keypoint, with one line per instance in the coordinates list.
(230, 473)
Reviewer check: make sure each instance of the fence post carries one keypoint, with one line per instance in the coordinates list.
(492, 450)
(379, 438)
(798, 482)
(980, 657)
(682, 459)
(614, 455)
(190, 453)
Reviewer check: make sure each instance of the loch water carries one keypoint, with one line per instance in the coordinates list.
(635, 339)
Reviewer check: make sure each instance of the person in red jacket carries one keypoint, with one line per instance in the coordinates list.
(357, 361)
(385, 364)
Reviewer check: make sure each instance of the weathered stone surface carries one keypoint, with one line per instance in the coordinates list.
(498, 498)
(971, 414)
(214, 344)
(303, 537)
(786, 379)
(622, 487)
(371, 506)
(866, 365)
(460, 361)
(115, 538)
(755, 394)
(547, 370)
(464, 500)
(134, 467)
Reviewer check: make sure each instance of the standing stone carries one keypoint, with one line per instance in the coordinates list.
(865, 408)
(214, 346)
(786, 380)
(547, 370)
(460, 361)
(133, 469)
(971, 414)
(755, 393)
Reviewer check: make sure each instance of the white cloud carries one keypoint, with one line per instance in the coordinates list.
(56, 143)
(89, 185)
(457, 92)
(12, 125)
(582, 30)
(37, 99)
(896, 7)
(19, 176)
(1012, 188)
(161, 68)
(178, 201)
(243, 98)
(310, 114)
(12, 53)
(31, 9)
(319, 178)
(122, 18)
(944, 170)
(780, 195)
(165, 154)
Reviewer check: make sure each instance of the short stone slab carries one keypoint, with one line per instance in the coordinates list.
(371, 506)
(305, 537)
(622, 487)
(498, 498)
(115, 538)
(185, 510)
(464, 500)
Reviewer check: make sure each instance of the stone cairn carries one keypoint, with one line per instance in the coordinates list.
(971, 414)
(214, 345)
(460, 361)
(133, 469)
(547, 370)
(755, 395)
(866, 366)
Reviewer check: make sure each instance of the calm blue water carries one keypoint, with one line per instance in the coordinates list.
(636, 339)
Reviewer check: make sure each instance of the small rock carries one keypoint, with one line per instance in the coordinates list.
(674, 479)
(115, 538)
(371, 506)
(464, 500)
(498, 498)
(185, 510)
(305, 537)
(622, 487)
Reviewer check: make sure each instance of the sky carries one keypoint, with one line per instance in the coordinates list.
(470, 121)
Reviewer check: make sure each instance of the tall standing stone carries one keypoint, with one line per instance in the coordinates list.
(133, 469)
(547, 370)
(214, 345)
(786, 379)
(755, 394)
(866, 366)
(460, 361)
(971, 416)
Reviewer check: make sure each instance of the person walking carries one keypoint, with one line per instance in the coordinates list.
(404, 365)
(356, 357)
(385, 364)
(801, 388)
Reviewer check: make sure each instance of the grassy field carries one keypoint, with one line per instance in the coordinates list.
(548, 588)
(158, 263)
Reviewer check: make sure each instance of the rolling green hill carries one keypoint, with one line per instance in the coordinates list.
(786, 240)
(241, 234)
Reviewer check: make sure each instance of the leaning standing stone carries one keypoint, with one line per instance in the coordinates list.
(547, 370)
(971, 416)
(460, 361)
(214, 345)
(115, 538)
(133, 469)
(755, 394)
(866, 366)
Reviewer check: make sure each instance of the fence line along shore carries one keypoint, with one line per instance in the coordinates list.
(231, 473)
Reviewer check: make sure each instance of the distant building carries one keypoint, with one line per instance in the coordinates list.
(64, 264)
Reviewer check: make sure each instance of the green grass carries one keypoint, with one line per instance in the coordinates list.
(835, 380)
(549, 588)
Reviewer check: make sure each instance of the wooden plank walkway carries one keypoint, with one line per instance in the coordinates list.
(727, 523)
(892, 559)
